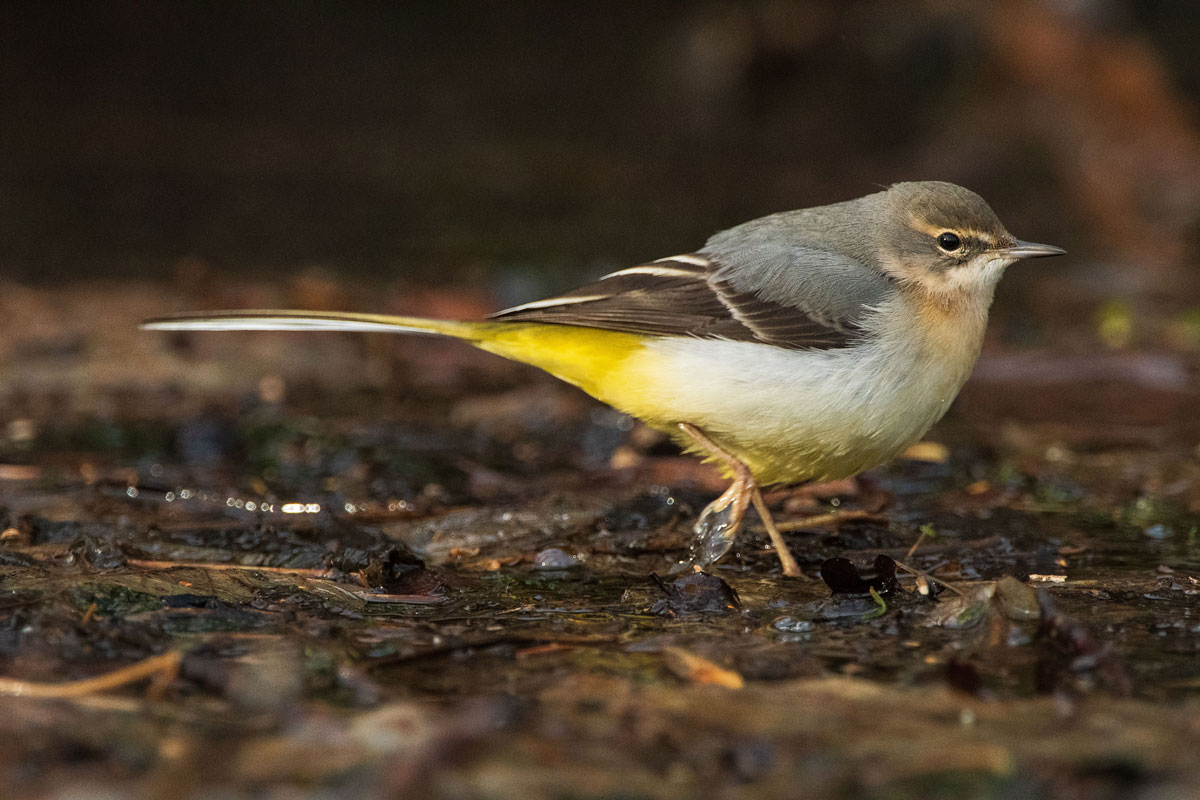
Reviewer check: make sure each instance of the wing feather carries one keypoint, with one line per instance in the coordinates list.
(683, 296)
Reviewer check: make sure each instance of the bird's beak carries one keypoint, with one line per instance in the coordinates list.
(1030, 250)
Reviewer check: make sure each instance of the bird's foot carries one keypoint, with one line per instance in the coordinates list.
(718, 524)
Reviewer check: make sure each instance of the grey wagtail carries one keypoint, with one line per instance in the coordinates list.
(806, 345)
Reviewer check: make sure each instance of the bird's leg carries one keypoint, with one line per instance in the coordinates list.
(718, 523)
(790, 568)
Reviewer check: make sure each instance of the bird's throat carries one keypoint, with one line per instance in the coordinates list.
(950, 326)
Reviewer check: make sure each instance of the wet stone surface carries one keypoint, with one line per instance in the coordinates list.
(415, 586)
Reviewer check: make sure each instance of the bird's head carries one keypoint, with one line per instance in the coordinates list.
(946, 240)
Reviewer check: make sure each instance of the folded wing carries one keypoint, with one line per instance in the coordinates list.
(683, 296)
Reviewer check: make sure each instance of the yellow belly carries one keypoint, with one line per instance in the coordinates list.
(789, 415)
(593, 359)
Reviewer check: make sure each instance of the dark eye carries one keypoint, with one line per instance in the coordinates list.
(949, 241)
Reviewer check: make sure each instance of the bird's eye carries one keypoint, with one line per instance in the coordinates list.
(949, 241)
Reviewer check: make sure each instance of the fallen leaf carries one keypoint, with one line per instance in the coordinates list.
(933, 452)
(697, 669)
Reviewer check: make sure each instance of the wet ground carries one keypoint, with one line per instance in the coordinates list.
(293, 565)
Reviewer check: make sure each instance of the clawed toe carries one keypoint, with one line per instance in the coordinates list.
(718, 525)
(719, 522)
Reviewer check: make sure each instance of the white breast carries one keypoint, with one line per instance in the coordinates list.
(795, 415)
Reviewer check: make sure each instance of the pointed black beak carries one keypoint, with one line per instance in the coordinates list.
(1021, 249)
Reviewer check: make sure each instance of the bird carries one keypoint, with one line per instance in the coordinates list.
(802, 346)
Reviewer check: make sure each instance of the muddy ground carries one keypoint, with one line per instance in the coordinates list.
(296, 565)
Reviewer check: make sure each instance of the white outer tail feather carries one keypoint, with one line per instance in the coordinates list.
(305, 321)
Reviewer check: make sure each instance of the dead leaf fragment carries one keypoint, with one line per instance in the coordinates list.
(697, 669)
(933, 452)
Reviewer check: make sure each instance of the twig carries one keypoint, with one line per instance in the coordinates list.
(160, 669)
(308, 573)
(916, 544)
(928, 577)
(832, 518)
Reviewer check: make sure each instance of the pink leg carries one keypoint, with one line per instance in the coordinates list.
(719, 522)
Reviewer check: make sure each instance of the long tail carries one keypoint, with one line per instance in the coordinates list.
(590, 358)
(275, 320)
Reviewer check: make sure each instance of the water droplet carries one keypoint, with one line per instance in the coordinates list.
(792, 625)
(715, 531)
(1159, 531)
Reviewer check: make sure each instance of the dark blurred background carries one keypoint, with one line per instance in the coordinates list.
(437, 141)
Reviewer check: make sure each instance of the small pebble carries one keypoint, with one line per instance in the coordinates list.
(554, 558)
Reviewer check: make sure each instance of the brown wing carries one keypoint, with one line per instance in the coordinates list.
(680, 297)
